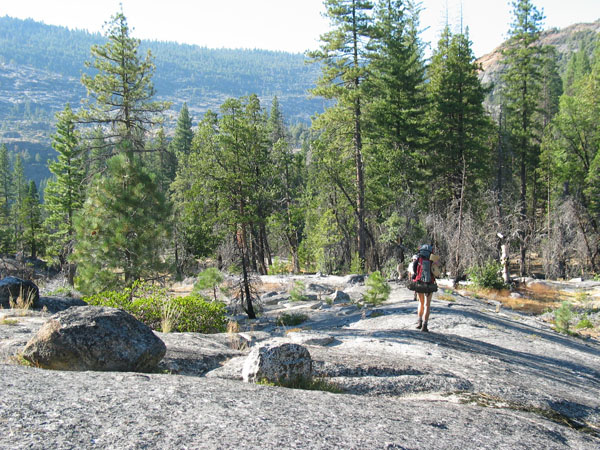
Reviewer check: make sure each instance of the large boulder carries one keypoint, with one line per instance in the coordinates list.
(277, 362)
(13, 288)
(95, 338)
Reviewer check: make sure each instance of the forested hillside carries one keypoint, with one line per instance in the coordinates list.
(41, 67)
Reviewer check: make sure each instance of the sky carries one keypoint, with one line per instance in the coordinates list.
(286, 25)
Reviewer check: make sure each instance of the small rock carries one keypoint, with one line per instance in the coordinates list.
(95, 338)
(340, 297)
(515, 295)
(355, 279)
(277, 362)
(318, 289)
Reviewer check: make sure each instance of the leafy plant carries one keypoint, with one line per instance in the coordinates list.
(278, 267)
(378, 290)
(210, 278)
(487, 276)
(297, 292)
(152, 306)
(291, 319)
(562, 317)
(584, 323)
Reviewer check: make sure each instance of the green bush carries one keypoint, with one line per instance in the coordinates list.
(278, 267)
(378, 290)
(149, 304)
(584, 323)
(210, 278)
(291, 320)
(200, 316)
(297, 292)
(488, 276)
(562, 317)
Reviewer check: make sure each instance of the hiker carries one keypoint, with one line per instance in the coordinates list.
(423, 283)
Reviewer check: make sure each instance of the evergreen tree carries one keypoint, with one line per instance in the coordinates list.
(121, 228)
(6, 199)
(121, 92)
(31, 218)
(396, 89)
(182, 141)
(21, 187)
(64, 194)
(344, 57)
(523, 83)
(459, 130)
(288, 215)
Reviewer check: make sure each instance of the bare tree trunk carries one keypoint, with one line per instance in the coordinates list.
(460, 220)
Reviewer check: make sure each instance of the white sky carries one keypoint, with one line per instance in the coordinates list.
(289, 25)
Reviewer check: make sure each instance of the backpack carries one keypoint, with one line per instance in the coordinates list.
(422, 270)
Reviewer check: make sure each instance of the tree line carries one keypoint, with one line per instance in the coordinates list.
(405, 154)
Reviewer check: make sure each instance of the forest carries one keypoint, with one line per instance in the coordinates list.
(406, 153)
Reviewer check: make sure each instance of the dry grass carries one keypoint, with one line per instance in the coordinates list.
(169, 314)
(235, 342)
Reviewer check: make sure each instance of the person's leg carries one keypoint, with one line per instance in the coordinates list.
(420, 309)
(426, 310)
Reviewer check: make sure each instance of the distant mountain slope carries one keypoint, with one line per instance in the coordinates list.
(566, 41)
(41, 65)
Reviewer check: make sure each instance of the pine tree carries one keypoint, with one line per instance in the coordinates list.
(6, 199)
(65, 194)
(182, 141)
(458, 129)
(20, 186)
(396, 88)
(344, 57)
(288, 215)
(523, 83)
(31, 218)
(121, 229)
(120, 93)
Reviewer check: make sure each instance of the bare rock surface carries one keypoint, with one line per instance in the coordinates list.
(484, 377)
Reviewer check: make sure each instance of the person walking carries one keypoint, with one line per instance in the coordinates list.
(424, 284)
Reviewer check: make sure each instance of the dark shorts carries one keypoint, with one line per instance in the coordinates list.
(424, 288)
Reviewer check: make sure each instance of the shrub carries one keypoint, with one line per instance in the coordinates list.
(584, 323)
(278, 267)
(488, 276)
(200, 316)
(378, 290)
(297, 291)
(210, 278)
(291, 320)
(562, 317)
(152, 306)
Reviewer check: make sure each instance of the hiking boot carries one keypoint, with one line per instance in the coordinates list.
(424, 327)
(419, 324)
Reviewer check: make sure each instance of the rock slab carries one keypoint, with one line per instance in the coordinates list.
(12, 288)
(277, 362)
(95, 338)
